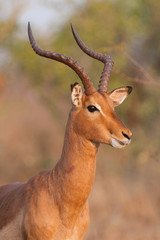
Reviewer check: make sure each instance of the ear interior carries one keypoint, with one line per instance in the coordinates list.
(76, 95)
(119, 95)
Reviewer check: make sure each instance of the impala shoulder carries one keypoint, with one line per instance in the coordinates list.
(9, 203)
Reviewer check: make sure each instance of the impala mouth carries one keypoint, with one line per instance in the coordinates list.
(119, 143)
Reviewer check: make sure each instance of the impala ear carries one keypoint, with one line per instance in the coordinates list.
(119, 95)
(76, 95)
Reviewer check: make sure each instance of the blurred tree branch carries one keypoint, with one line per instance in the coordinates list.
(136, 79)
(146, 78)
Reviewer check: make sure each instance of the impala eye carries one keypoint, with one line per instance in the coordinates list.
(92, 108)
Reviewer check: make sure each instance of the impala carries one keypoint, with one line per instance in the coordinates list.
(53, 205)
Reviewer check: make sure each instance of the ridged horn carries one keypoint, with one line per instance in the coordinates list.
(107, 60)
(86, 81)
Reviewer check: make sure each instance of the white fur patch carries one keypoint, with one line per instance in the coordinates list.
(76, 95)
(99, 108)
(119, 144)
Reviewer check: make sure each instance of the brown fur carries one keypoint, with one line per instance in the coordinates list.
(53, 205)
(11, 201)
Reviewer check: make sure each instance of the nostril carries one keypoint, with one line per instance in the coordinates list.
(126, 136)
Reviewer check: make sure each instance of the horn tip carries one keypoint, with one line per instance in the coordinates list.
(29, 29)
(73, 29)
(29, 25)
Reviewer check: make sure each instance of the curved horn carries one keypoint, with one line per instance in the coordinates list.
(88, 86)
(107, 60)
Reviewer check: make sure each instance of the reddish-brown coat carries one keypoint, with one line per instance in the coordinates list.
(53, 205)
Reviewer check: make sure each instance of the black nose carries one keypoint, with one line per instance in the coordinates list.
(126, 136)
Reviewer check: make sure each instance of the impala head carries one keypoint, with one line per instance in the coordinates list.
(92, 113)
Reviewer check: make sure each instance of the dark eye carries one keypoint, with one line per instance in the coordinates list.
(92, 108)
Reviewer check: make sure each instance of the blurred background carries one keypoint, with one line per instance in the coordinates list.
(35, 101)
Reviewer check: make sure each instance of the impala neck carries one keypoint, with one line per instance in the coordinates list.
(75, 171)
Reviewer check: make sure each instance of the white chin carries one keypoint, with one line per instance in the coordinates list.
(117, 144)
